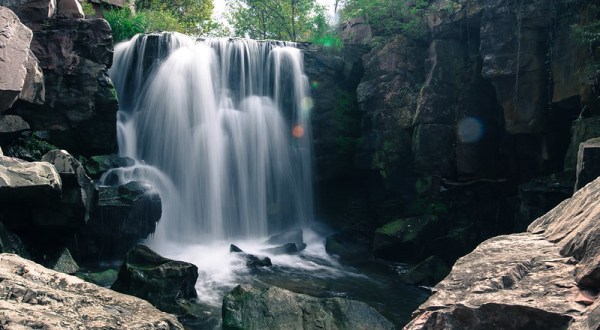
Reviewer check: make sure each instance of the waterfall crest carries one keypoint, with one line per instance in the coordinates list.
(221, 127)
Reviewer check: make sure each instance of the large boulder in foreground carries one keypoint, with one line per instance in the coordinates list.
(274, 308)
(40, 298)
(161, 281)
(546, 278)
(24, 180)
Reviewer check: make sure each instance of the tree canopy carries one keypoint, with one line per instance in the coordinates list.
(193, 15)
(295, 20)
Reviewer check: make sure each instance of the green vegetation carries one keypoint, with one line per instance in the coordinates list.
(294, 20)
(389, 17)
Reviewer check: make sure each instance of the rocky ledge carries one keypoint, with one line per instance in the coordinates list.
(545, 278)
(34, 297)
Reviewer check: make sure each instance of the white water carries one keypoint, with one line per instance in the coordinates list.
(221, 127)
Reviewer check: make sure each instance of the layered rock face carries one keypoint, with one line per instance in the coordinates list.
(546, 278)
(36, 297)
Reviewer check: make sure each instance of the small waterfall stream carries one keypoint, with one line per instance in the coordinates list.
(222, 128)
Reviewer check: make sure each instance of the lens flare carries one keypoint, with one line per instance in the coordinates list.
(470, 130)
(298, 131)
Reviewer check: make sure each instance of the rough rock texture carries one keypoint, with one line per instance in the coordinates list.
(11, 243)
(159, 280)
(11, 126)
(123, 216)
(23, 180)
(588, 162)
(31, 11)
(69, 9)
(274, 308)
(20, 73)
(532, 280)
(582, 130)
(357, 31)
(81, 102)
(36, 297)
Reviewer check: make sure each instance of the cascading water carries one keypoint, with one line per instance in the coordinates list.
(221, 128)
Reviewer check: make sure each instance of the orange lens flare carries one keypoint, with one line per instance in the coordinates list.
(298, 131)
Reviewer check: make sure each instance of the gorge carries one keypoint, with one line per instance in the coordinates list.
(395, 154)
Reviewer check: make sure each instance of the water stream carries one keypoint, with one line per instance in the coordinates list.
(221, 128)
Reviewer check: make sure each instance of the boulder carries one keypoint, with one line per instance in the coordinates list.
(62, 262)
(31, 11)
(36, 297)
(29, 147)
(289, 248)
(252, 261)
(69, 9)
(583, 129)
(404, 239)
(95, 166)
(11, 243)
(588, 162)
(11, 126)
(531, 280)
(21, 180)
(274, 308)
(291, 236)
(357, 31)
(348, 246)
(123, 216)
(15, 57)
(428, 272)
(79, 192)
(161, 281)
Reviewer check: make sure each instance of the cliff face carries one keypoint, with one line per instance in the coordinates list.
(476, 122)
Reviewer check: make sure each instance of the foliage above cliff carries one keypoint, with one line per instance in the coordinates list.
(389, 17)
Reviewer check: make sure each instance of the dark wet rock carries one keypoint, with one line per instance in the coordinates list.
(432, 149)
(588, 162)
(291, 236)
(62, 262)
(583, 129)
(79, 192)
(29, 147)
(252, 261)
(104, 279)
(159, 280)
(289, 248)
(37, 297)
(11, 126)
(20, 180)
(348, 246)
(274, 308)
(30, 11)
(542, 194)
(69, 9)
(404, 238)
(11, 243)
(95, 166)
(527, 280)
(123, 216)
(428, 272)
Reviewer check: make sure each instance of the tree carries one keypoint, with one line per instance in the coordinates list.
(193, 15)
(389, 17)
(274, 19)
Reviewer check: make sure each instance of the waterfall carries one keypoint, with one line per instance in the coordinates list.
(221, 128)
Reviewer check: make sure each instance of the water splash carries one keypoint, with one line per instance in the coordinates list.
(218, 121)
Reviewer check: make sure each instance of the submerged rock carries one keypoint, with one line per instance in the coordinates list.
(531, 280)
(36, 297)
(289, 248)
(291, 236)
(252, 261)
(274, 308)
(161, 281)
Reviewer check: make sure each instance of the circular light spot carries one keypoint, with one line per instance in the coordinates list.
(298, 131)
(470, 130)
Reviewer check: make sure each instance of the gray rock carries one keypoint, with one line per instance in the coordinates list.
(31, 10)
(274, 308)
(11, 126)
(95, 166)
(291, 236)
(582, 129)
(34, 90)
(357, 31)
(1, 152)
(11, 243)
(69, 9)
(252, 261)
(588, 162)
(64, 263)
(159, 280)
(15, 39)
(433, 146)
(24, 180)
(289, 248)
(52, 300)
